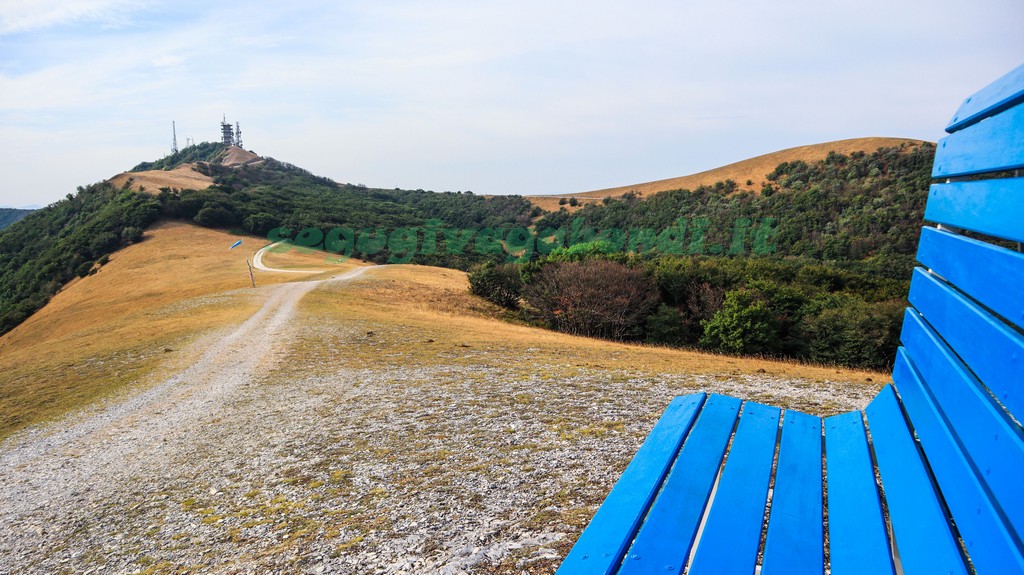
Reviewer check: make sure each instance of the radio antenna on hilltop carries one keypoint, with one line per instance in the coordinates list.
(238, 135)
(227, 135)
(174, 138)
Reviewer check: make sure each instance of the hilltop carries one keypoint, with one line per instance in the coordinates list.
(184, 170)
(753, 170)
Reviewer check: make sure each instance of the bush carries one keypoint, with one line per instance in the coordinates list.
(846, 330)
(596, 298)
(499, 283)
(745, 324)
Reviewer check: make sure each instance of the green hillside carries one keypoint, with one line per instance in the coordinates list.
(10, 215)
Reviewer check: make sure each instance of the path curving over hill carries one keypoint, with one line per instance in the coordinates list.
(48, 475)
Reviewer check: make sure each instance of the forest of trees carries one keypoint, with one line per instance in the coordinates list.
(10, 215)
(832, 291)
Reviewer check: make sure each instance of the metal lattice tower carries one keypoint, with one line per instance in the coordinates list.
(174, 138)
(238, 135)
(226, 132)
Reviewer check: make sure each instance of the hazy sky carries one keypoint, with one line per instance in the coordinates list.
(496, 97)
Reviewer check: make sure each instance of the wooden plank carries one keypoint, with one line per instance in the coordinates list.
(994, 352)
(920, 528)
(795, 542)
(599, 549)
(858, 542)
(992, 207)
(732, 533)
(993, 145)
(666, 536)
(1005, 92)
(989, 542)
(989, 274)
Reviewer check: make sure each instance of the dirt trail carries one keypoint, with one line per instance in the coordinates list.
(56, 466)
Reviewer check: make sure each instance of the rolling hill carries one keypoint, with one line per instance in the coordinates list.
(753, 170)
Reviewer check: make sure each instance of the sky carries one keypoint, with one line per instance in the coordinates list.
(491, 96)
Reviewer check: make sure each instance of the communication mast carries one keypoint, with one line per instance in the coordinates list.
(226, 133)
(174, 138)
(238, 135)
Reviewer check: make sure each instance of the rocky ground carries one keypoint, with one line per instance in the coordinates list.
(246, 463)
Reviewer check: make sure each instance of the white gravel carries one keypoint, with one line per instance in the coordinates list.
(240, 465)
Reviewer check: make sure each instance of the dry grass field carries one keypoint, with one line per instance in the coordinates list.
(127, 323)
(753, 170)
(382, 420)
(183, 177)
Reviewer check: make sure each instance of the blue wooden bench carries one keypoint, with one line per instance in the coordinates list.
(929, 478)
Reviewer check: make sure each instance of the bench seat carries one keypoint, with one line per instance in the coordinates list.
(928, 478)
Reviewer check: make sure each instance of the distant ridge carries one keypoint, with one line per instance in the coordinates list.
(754, 169)
(10, 215)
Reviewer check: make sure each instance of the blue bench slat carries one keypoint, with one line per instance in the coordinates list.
(993, 145)
(795, 543)
(982, 431)
(600, 547)
(923, 537)
(994, 98)
(989, 274)
(994, 352)
(989, 543)
(993, 207)
(732, 533)
(858, 542)
(666, 536)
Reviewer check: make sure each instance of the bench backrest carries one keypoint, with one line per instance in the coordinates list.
(960, 372)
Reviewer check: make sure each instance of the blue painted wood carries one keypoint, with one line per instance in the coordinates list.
(999, 95)
(795, 542)
(990, 442)
(923, 536)
(991, 544)
(988, 274)
(732, 533)
(994, 352)
(858, 542)
(666, 536)
(993, 207)
(600, 547)
(990, 146)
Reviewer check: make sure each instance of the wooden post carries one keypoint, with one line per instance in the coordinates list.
(251, 277)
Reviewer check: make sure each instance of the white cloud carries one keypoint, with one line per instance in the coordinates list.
(20, 16)
(493, 96)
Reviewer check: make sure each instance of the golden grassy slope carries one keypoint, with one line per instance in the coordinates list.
(183, 177)
(131, 323)
(112, 328)
(420, 314)
(753, 169)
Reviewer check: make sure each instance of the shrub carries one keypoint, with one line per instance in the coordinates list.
(499, 283)
(596, 298)
(745, 324)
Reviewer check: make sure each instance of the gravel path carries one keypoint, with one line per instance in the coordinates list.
(242, 463)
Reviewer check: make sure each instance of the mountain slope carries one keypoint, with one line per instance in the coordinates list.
(10, 215)
(754, 170)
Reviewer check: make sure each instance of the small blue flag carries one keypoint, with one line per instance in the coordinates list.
(236, 244)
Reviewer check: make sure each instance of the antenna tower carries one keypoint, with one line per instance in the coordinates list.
(174, 138)
(226, 133)
(238, 135)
